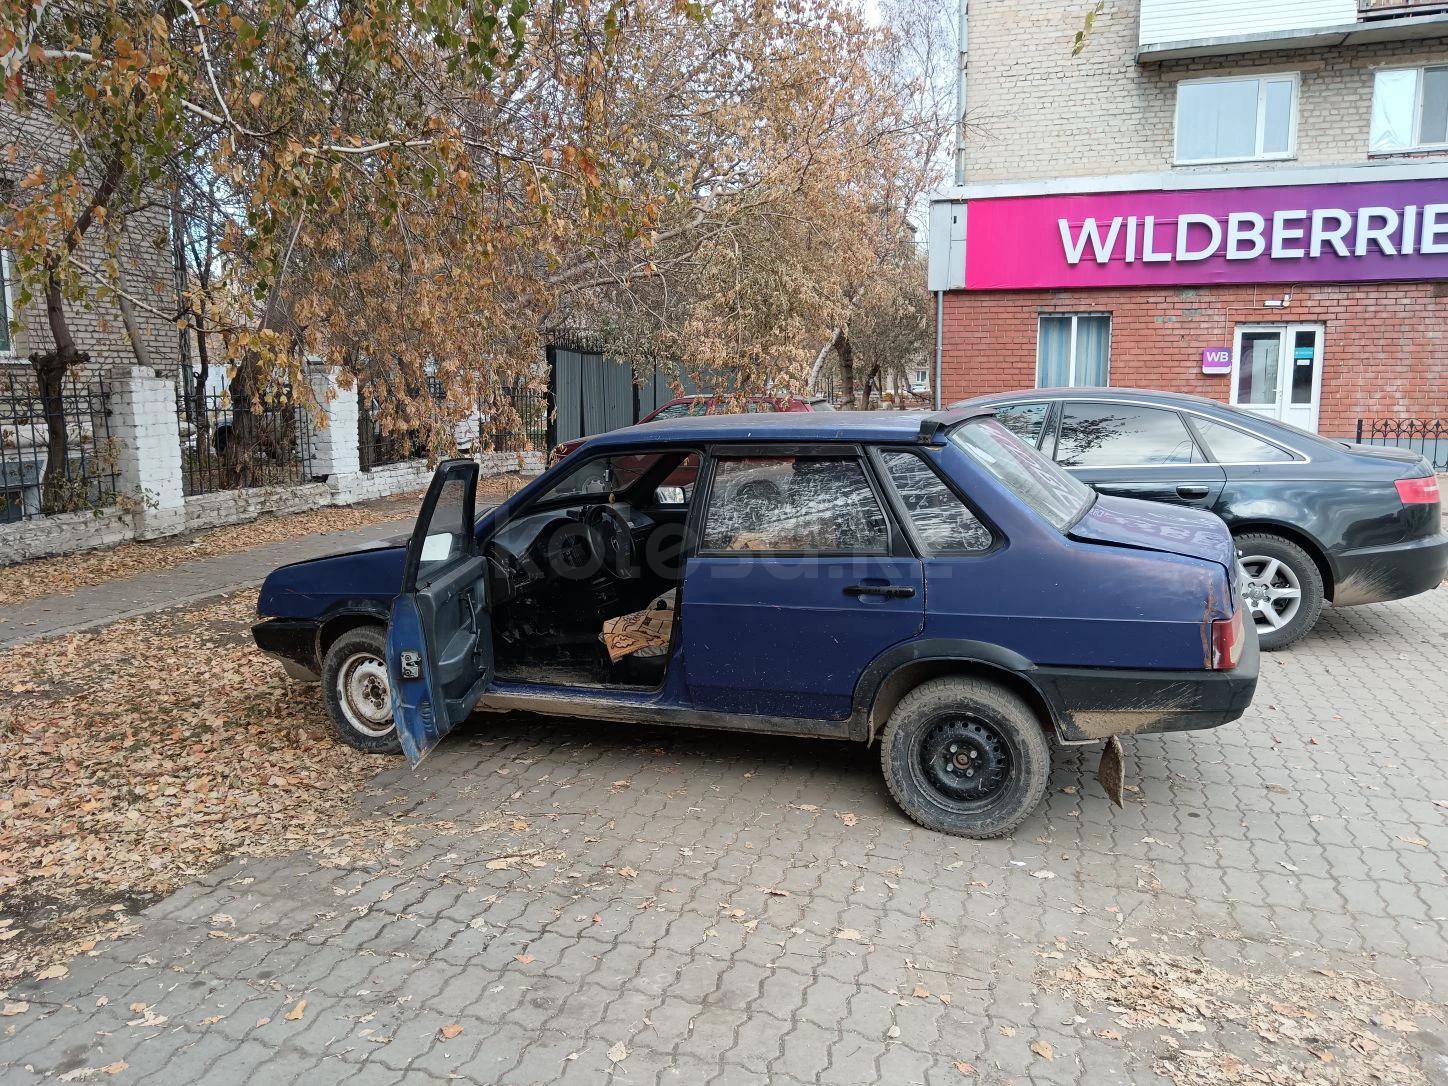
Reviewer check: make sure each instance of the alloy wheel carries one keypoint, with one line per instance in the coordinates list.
(1270, 589)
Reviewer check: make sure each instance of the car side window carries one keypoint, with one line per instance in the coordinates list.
(943, 522)
(793, 504)
(673, 411)
(1024, 420)
(1123, 435)
(1230, 445)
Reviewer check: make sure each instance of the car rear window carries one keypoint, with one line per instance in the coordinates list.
(1033, 478)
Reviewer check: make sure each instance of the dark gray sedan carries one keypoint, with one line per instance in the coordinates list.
(1315, 519)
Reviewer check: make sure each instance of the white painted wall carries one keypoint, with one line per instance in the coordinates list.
(1186, 20)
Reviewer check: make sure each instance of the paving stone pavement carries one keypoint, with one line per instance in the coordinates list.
(700, 899)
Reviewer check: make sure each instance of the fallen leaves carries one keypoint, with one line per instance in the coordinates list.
(449, 1031)
(10, 1010)
(617, 1053)
(153, 750)
(966, 1069)
(524, 959)
(1323, 1027)
(850, 935)
(295, 1014)
(849, 818)
(1043, 1049)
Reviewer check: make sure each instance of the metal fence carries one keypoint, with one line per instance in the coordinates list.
(529, 432)
(376, 449)
(223, 448)
(1426, 436)
(84, 474)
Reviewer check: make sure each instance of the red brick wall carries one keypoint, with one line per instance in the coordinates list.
(1385, 355)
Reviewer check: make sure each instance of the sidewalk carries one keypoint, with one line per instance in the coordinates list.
(187, 583)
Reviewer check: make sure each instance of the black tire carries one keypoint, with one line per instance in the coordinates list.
(994, 729)
(1299, 567)
(350, 675)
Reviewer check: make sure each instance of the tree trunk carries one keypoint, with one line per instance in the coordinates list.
(200, 416)
(50, 369)
(845, 352)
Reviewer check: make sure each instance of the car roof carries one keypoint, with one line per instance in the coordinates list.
(1089, 392)
(1273, 429)
(800, 426)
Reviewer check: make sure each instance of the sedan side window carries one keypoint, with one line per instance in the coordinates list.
(1232, 446)
(943, 522)
(817, 505)
(1123, 435)
(1024, 420)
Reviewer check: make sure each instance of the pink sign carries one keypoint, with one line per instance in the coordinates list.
(1363, 231)
(1216, 360)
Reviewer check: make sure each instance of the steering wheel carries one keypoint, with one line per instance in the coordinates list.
(613, 540)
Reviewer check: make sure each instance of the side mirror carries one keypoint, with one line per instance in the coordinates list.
(669, 495)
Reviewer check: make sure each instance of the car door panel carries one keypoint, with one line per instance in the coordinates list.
(800, 580)
(439, 638)
(788, 636)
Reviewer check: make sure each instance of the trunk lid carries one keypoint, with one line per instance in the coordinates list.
(1153, 526)
(1389, 453)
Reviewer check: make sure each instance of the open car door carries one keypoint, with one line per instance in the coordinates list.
(440, 639)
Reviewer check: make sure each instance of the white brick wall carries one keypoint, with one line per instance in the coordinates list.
(152, 504)
(148, 443)
(1035, 112)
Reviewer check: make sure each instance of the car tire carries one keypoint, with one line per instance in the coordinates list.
(1295, 571)
(357, 692)
(965, 757)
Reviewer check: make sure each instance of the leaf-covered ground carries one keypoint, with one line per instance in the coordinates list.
(135, 757)
(71, 573)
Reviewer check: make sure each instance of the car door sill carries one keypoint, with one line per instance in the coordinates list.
(629, 707)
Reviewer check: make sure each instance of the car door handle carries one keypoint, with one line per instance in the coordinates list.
(1193, 490)
(887, 591)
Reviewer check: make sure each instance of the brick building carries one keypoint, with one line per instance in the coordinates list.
(1247, 201)
(148, 269)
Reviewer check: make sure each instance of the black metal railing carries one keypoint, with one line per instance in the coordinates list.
(376, 448)
(56, 453)
(1426, 436)
(223, 448)
(528, 431)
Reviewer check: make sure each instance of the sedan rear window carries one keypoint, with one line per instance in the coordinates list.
(1034, 479)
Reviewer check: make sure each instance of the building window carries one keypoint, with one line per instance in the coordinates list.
(1410, 110)
(1073, 349)
(6, 311)
(920, 378)
(1232, 120)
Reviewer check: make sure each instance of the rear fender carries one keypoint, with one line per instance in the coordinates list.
(898, 670)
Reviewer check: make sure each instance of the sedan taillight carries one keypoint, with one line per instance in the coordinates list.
(1420, 491)
(1228, 636)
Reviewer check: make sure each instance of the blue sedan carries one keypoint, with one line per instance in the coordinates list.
(927, 582)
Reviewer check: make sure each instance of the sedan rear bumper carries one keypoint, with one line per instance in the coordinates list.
(1379, 574)
(294, 644)
(1092, 704)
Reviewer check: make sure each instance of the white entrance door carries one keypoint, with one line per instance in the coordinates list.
(1277, 371)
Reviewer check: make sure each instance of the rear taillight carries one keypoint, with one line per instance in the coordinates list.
(1228, 635)
(1420, 491)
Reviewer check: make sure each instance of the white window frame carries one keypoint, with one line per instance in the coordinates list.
(9, 354)
(1071, 364)
(1259, 156)
(1416, 143)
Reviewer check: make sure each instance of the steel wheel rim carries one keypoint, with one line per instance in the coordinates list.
(1271, 590)
(365, 694)
(963, 761)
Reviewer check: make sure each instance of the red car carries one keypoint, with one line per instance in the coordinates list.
(708, 405)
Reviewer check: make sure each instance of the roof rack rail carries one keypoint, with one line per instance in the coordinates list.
(933, 427)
